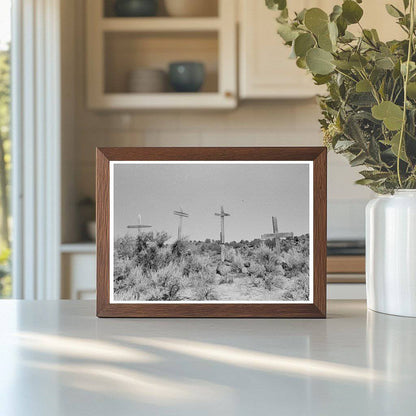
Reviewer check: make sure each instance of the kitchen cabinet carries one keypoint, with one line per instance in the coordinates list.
(118, 45)
(265, 70)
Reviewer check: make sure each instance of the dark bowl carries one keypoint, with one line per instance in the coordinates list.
(136, 8)
(186, 76)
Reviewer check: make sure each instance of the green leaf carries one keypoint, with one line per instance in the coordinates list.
(363, 86)
(325, 43)
(333, 32)
(301, 63)
(286, 32)
(412, 67)
(319, 61)
(393, 11)
(316, 20)
(343, 145)
(321, 79)
(375, 35)
(343, 65)
(411, 90)
(342, 25)
(354, 131)
(351, 11)
(336, 12)
(284, 14)
(276, 4)
(364, 181)
(391, 114)
(303, 43)
(347, 37)
(300, 17)
(368, 36)
(358, 61)
(394, 144)
(385, 63)
(358, 160)
(374, 150)
(375, 175)
(361, 99)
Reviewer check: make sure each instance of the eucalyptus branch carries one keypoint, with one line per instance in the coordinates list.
(365, 87)
(406, 80)
(346, 75)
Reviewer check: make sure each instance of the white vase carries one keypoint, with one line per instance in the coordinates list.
(391, 253)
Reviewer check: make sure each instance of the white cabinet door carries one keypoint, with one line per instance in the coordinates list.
(265, 68)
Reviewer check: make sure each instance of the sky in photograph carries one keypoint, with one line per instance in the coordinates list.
(251, 193)
(4, 23)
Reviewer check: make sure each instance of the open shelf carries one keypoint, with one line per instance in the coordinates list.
(128, 51)
(130, 101)
(108, 9)
(160, 24)
(116, 46)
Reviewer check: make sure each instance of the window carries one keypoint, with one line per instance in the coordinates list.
(5, 145)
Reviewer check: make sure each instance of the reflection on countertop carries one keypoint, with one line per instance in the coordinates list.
(63, 360)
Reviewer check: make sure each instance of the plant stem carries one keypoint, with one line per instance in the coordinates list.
(406, 80)
(345, 75)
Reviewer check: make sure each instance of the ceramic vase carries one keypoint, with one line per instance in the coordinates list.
(391, 253)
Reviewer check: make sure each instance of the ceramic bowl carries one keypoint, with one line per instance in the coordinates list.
(147, 80)
(186, 76)
(135, 8)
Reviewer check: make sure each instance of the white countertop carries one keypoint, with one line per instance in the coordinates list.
(58, 359)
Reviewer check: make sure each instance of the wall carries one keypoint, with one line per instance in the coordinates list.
(265, 123)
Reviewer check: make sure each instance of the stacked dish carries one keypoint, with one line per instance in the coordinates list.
(147, 80)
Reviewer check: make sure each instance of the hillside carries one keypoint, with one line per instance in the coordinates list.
(146, 268)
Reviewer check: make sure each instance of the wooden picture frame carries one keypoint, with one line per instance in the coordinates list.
(314, 308)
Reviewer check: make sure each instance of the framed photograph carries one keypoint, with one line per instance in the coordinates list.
(211, 232)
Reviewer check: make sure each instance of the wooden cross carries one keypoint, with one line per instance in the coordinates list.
(276, 235)
(181, 214)
(139, 226)
(222, 214)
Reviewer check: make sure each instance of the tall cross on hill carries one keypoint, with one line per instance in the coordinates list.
(276, 235)
(222, 214)
(139, 225)
(181, 214)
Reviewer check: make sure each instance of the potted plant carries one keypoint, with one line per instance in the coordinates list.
(368, 116)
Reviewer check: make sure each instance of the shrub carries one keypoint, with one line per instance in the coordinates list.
(162, 284)
(150, 251)
(268, 258)
(180, 247)
(299, 287)
(124, 247)
(295, 261)
(205, 289)
(195, 264)
(234, 257)
(256, 270)
(122, 268)
(274, 281)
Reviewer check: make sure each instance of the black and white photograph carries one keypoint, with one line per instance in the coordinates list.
(210, 232)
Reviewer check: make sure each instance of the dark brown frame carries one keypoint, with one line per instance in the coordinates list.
(317, 309)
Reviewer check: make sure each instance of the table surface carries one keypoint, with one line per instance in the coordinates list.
(57, 358)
